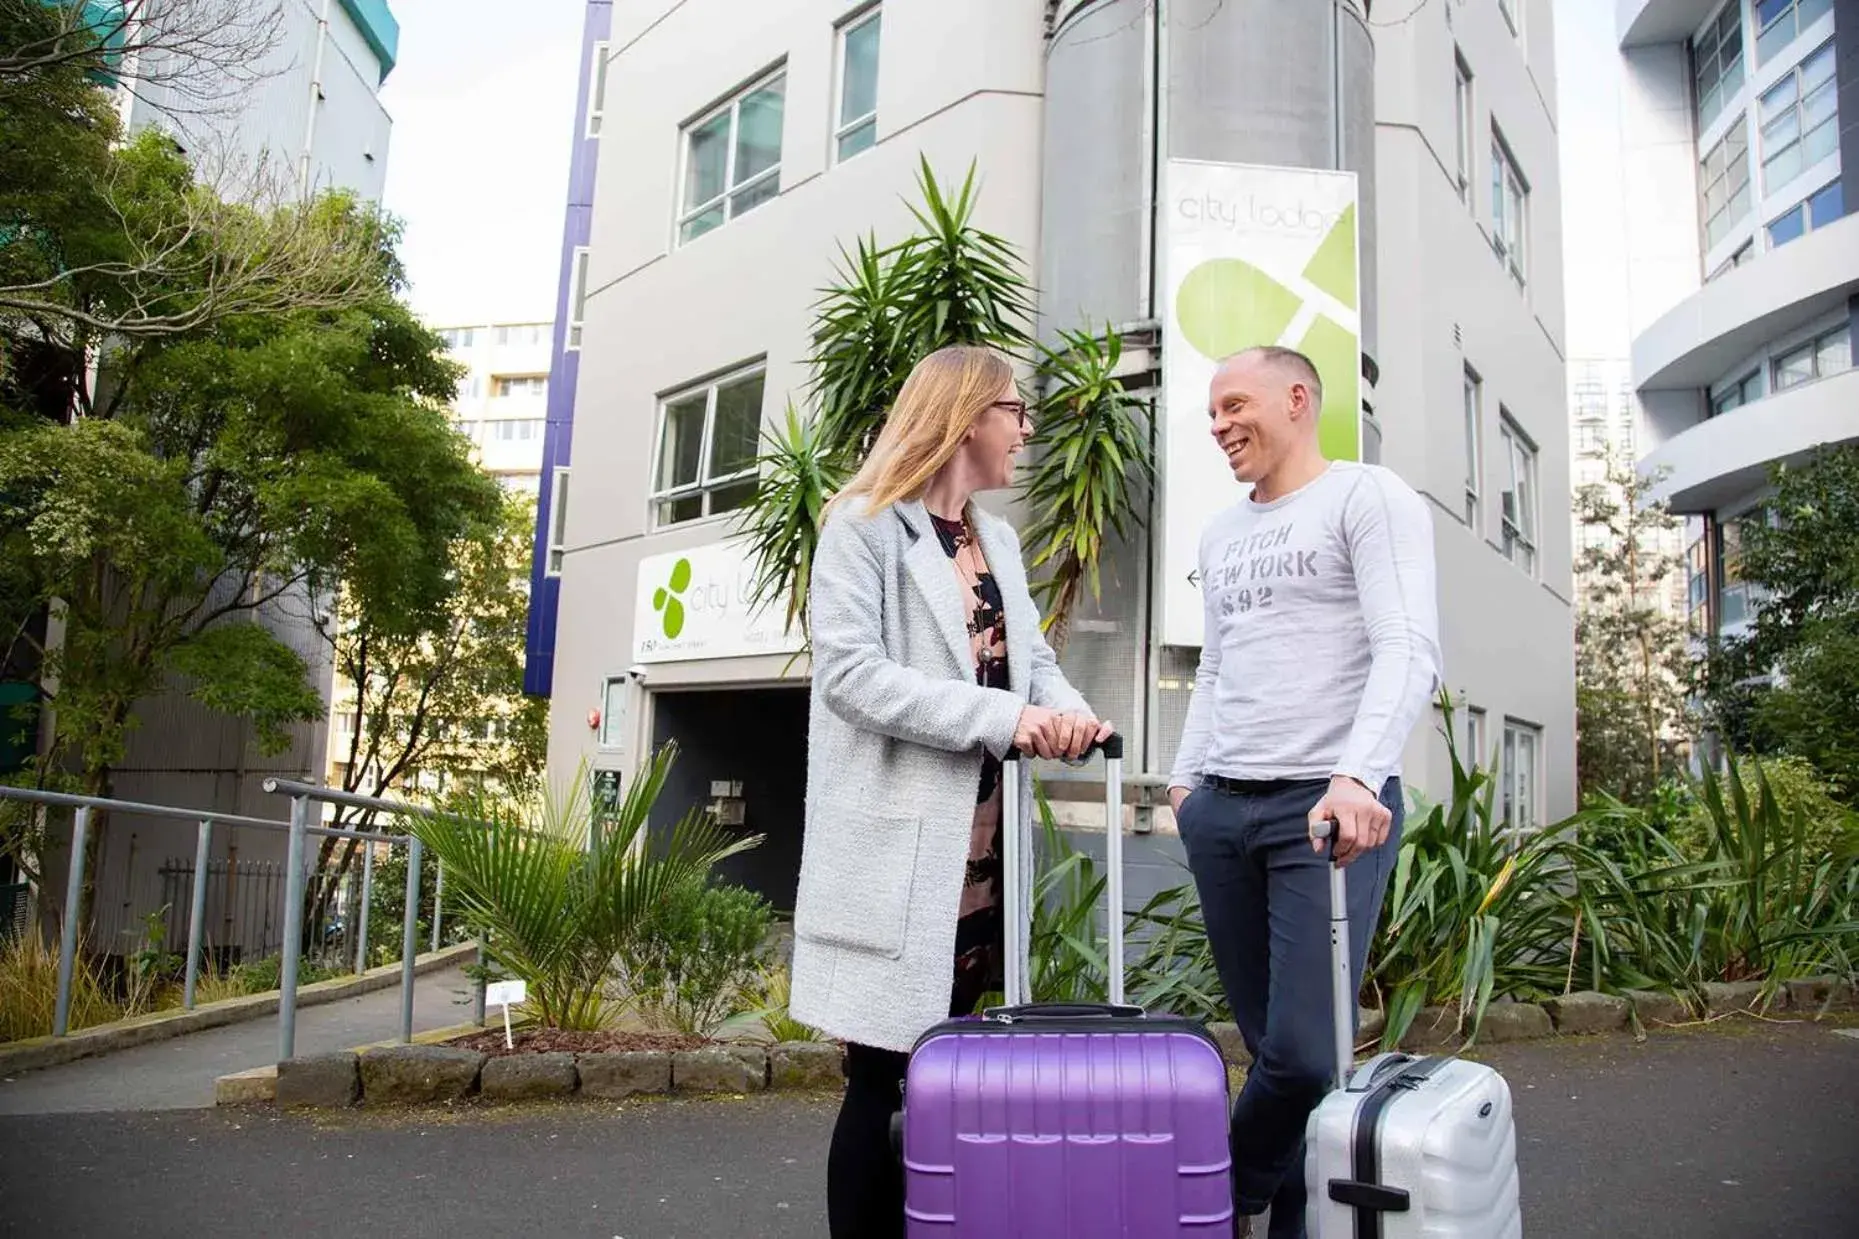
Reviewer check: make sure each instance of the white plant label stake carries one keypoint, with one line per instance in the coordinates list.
(505, 994)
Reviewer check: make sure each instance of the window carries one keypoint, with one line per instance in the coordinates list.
(732, 159)
(1724, 175)
(1697, 586)
(458, 337)
(1816, 212)
(1509, 201)
(517, 430)
(519, 385)
(1510, 10)
(1472, 737)
(1462, 112)
(1717, 63)
(558, 522)
(1519, 497)
(577, 295)
(597, 90)
(858, 85)
(707, 442)
(1474, 445)
(1780, 21)
(1829, 353)
(1800, 120)
(613, 712)
(1521, 775)
(1745, 390)
(1591, 438)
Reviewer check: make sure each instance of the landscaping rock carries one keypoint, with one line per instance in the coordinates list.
(518, 1077)
(1369, 1024)
(1515, 1021)
(1587, 1012)
(399, 1075)
(1434, 1028)
(1721, 997)
(619, 1074)
(1654, 1008)
(806, 1064)
(320, 1080)
(1232, 1045)
(720, 1069)
(1813, 995)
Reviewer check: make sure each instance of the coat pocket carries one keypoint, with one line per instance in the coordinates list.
(856, 883)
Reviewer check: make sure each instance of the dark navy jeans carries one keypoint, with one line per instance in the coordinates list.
(1265, 897)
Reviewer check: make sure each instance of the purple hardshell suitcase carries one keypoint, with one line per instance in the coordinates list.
(1080, 1121)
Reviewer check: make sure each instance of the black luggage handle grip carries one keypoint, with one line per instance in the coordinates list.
(1110, 746)
(1065, 1010)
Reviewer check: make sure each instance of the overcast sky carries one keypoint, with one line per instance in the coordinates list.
(482, 98)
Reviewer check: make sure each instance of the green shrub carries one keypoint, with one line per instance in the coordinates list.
(695, 957)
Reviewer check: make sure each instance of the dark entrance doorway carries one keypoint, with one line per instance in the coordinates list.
(755, 737)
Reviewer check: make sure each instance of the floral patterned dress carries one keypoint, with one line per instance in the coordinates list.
(978, 942)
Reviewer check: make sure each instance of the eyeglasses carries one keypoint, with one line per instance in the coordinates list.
(1015, 407)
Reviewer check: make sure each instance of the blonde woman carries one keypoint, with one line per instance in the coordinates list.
(928, 664)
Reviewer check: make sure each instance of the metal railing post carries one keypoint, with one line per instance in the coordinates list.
(293, 929)
(438, 897)
(367, 903)
(409, 941)
(197, 916)
(67, 943)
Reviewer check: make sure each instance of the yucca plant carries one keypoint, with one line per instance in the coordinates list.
(798, 476)
(1094, 466)
(555, 901)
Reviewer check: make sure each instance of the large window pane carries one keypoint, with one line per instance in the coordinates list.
(752, 197)
(738, 428)
(1833, 352)
(1794, 367)
(758, 137)
(707, 164)
(683, 443)
(1786, 227)
(861, 72)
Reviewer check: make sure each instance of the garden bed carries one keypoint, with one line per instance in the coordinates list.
(562, 1040)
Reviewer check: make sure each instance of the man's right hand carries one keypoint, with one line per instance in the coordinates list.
(1177, 796)
(1050, 734)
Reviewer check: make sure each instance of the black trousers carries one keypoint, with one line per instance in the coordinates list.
(864, 1175)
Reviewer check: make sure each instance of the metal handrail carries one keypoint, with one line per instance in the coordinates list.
(298, 827)
(301, 795)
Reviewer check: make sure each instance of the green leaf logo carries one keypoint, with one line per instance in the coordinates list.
(669, 601)
(1227, 304)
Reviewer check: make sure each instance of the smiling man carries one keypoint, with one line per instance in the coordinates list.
(1319, 655)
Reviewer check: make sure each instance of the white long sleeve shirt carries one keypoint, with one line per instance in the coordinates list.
(1321, 646)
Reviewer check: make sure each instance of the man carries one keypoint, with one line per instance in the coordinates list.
(1319, 656)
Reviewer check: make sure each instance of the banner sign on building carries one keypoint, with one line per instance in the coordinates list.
(1252, 255)
(695, 604)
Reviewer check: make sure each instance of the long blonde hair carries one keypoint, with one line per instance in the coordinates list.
(945, 393)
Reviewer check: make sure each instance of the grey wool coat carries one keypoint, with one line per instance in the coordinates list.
(894, 752)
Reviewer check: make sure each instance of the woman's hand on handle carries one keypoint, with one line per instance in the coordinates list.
(1050, 734)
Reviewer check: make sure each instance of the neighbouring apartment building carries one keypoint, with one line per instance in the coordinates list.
(1712, 147)
(726, 150)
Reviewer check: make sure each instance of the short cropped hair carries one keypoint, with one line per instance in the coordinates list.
(1288, 359)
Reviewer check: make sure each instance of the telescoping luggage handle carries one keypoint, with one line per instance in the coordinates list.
(1342, 982)
(1017, 935)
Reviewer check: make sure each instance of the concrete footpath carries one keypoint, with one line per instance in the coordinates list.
(1739, 1131)
(179, 1073)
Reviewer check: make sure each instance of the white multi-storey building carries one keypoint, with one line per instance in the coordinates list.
(502, 399)
(741, 144)
(1710, 177)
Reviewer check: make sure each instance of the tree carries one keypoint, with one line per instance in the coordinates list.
(1631, 657)
(441, 695)
(1791, 684)
(181, 55)
(949, 283)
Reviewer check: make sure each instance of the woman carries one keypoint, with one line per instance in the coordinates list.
(928, 664)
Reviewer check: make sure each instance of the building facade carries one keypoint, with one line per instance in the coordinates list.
(502, 401)
(1729, 155)
(746, 143)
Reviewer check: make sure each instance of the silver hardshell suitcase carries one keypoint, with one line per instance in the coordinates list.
(1407, 1147)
